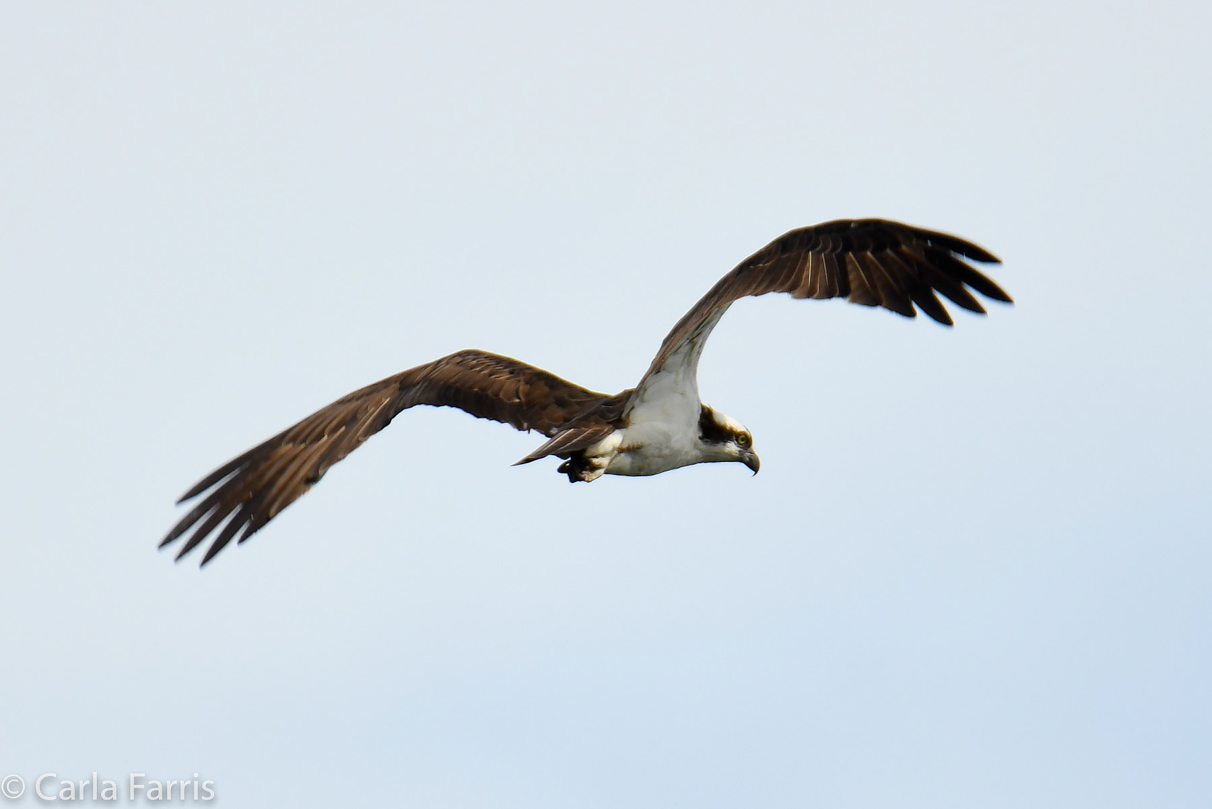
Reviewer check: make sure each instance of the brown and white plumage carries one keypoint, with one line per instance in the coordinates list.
(659, 425)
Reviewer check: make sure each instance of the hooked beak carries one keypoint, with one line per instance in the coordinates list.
(752, 461)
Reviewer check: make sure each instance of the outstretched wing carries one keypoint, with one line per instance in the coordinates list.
(873, 262)
(249, 490)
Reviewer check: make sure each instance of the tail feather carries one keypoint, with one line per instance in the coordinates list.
(568, 441)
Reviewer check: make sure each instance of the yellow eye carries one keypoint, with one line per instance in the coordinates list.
(742, 440)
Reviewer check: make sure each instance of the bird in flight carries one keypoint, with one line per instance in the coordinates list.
(658, 425)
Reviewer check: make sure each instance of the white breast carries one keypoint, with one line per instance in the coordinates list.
(663, 428)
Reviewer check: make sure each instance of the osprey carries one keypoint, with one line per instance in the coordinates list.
(658, 425)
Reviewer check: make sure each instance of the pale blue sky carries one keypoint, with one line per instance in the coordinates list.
(974, 570)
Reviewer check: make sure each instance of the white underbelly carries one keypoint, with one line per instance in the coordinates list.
(650, 450)
(664, 421)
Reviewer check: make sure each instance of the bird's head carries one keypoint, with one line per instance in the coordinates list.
(725, 439)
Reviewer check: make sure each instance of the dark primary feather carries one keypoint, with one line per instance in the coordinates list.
(873, 262)
(250, 490)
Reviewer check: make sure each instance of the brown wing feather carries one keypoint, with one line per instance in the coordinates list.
(873, 262)
(250, 490)
(584, 431)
